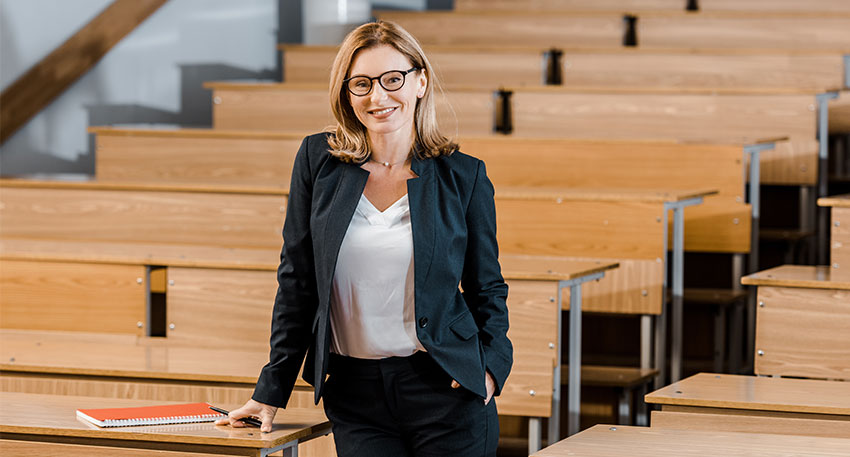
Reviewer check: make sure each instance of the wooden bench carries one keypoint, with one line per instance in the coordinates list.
(35, 424)
(464, 66)
(156, 213)
(825, 6)
(511, 28)
(802, 320)
(606, 440)
(306, 108)
(756, 404)
(782, 30)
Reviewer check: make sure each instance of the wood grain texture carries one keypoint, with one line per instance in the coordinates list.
(567, 5)
(836, 201)
(802, 276)
(47, 79)
(725, 119)
(42, 416)
(514, 28)
(803, 332)
(454, 66)
(606, 440)
(46, 449)
(572, 163)
(756, 393)
(263, 161)
(751, 31)
(839, 113)
(72, 296)
(211, 219)
(212, 307)
(840, 240)
(533, 313)
(688, 70)
(750, 424)
(825, 6)
(306, 108)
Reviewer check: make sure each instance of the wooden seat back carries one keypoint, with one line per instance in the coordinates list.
(720, 224)
(164, 214)
(513, 28)
(839, 251)
(703, 118)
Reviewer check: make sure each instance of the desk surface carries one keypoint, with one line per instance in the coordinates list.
(802, 276)
(838, 201)
(102, 354)
(600, 194)
(513, 266)
(757, 393)
(51, 415)
(608, 440)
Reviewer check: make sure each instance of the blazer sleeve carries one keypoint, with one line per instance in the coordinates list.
(296, 300)
(484, 289)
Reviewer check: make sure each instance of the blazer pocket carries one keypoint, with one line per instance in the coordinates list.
(464, 326)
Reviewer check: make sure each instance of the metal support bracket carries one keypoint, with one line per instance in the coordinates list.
(823, 171)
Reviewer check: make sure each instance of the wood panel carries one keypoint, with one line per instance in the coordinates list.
(565, 5)
(47, 79)
(46, 449)
(721, 224)
(750, 424)
(201, 157)
(646, 441)
(300, 108)
(840, 239)
(210, 308)
(722, 393)
(534, 327)
(72, 296)
(216, 219)
(515, 28)
(749, 31)
(803, 332)
(725, 119)
(825, 6)
(486, 68)
(687, 69)
(580, 228)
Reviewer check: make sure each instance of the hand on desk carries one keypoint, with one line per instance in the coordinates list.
(489, 383)
(254, 408)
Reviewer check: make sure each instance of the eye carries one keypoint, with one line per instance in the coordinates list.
(392, 80)
(361, 83)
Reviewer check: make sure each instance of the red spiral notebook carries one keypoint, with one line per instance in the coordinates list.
(149, 415)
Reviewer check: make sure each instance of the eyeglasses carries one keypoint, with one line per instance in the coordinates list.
(391, 81)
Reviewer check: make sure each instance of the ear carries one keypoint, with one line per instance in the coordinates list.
(423, 83)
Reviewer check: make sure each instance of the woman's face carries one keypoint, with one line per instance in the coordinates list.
(383, 111)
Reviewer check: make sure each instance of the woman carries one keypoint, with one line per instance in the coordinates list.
(384, 220)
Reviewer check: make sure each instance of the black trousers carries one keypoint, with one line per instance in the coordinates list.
(405, 406)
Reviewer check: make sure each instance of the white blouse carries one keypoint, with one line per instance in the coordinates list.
(372, 307)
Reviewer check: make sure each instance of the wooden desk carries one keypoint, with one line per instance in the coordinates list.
(564, 273)
(607, 440)
(32, 418)
(668, 200)
(754, 404)
(840, 235)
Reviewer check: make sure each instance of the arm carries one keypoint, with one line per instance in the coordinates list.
(296, 300)
(484, 289)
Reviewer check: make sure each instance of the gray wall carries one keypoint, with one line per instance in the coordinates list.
(155, 74)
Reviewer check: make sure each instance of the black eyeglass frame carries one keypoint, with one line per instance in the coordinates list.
(379, 77)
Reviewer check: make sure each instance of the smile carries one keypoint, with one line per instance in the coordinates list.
(383, 111)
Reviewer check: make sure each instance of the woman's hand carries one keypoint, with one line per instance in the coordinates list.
(252, 408)
(488, 382)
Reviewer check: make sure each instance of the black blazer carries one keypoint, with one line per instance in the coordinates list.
(453, 220)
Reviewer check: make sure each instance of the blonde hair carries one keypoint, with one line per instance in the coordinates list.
(351, 141)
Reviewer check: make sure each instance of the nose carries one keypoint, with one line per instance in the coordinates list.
(378, 93)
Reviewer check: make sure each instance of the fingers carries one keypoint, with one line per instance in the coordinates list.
(267, 417)
(455, 384)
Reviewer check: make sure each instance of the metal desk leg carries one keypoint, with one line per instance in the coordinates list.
(823, 173)
(534, 435)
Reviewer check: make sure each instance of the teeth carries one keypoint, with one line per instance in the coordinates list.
(383, 111)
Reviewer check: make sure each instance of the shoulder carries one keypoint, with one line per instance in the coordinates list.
(459, 165)
(314, 151)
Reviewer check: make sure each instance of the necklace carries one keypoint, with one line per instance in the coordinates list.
(388, 164)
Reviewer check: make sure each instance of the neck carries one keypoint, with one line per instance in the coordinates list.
(391, 147)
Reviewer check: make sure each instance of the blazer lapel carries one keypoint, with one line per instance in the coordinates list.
(421, 193)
